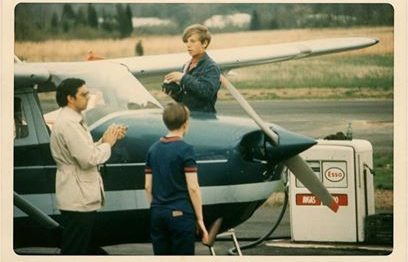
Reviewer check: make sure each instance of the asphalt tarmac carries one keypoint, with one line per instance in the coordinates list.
(278, 243)
(370, 119)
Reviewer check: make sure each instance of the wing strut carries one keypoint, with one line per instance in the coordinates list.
(295, 164)
(34, 212)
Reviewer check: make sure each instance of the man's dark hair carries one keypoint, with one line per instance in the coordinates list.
(68, 87)
(175, 115)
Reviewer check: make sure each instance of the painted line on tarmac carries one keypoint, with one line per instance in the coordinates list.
(280, 243)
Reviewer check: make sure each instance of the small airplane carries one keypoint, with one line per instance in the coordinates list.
(240, 161)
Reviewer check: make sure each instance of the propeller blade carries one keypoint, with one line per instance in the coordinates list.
(248, 109)
(296, 164)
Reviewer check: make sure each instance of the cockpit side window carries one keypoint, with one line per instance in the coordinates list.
(20, 121)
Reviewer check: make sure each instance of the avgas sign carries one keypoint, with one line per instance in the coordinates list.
(312, 200)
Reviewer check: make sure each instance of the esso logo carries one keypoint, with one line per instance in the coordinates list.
(334, 174)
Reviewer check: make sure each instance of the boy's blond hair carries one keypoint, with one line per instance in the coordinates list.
(201, 30)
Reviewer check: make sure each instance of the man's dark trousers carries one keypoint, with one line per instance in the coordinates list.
(77, 233)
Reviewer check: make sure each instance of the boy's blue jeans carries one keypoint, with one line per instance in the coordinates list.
(172, 231)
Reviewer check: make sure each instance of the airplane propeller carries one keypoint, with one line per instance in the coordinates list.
(296, 164)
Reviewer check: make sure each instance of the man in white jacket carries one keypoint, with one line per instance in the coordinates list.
(79, 186)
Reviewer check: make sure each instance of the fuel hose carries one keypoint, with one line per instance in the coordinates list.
(232, 251)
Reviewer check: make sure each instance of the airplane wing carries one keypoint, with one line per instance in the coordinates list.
(227, 59)
(25, 74)
(231, 58)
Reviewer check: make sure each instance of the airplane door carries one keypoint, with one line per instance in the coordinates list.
(32, 162)
(124, 179)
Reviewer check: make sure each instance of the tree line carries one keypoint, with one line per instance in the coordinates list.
(284, 16)
(39, 21)
(83, 22)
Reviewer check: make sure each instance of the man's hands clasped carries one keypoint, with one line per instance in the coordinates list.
(114, 133)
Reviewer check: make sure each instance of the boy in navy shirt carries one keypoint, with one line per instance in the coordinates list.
(172, 188)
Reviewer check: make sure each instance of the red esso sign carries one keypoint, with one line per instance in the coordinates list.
(334, 174)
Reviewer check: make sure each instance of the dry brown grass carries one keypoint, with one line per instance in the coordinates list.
(384, 199)
(384, 34)
(73, 50)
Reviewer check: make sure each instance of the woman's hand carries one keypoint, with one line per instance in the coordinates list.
(173, 77)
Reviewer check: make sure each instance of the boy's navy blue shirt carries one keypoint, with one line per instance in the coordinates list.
(168, 160)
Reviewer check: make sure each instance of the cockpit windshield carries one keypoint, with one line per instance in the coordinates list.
(112, 88)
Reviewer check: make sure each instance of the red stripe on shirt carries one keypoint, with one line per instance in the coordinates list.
(190, 169)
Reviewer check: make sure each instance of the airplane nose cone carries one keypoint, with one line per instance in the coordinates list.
(290, 144)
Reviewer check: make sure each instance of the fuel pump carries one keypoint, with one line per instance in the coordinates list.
(345, 169)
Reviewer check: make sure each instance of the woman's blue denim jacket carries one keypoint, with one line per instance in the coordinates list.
(200, 85)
